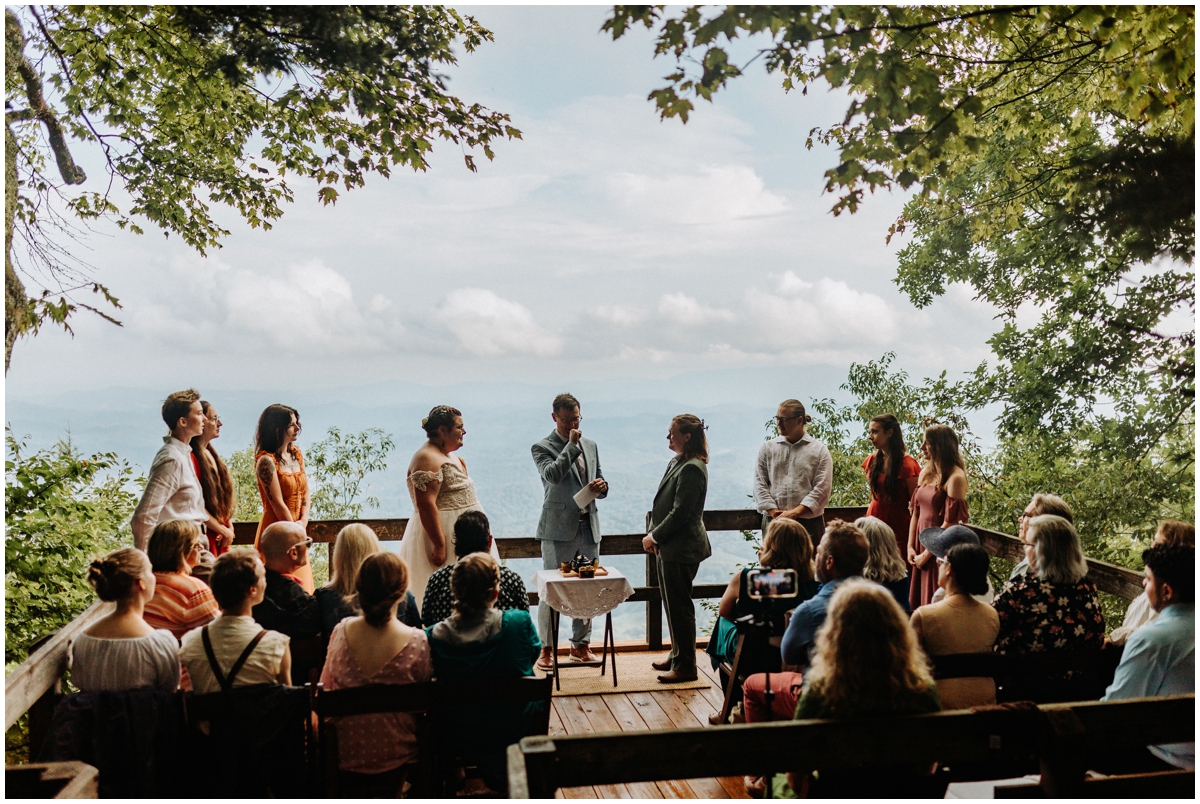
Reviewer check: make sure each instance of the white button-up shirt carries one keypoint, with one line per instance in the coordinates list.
(787, 475)
(172, 492)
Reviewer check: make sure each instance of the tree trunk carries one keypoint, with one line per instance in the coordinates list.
(16, 305)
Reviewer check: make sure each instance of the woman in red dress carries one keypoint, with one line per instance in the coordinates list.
(892, 475)
(939, 502)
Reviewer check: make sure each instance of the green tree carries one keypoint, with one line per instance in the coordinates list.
(60, 511)
(192, 106)
(248, 502)
(338, 466)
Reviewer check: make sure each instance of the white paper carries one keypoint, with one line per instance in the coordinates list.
(584, 498)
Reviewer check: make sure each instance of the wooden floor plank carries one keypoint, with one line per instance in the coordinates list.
(573, 717)
(625, 712)
(681, 717)
(602, 720)
(697, 704)
(556, 725)
(676, 789)
(578, 792)
(734, 786)
(651, 712)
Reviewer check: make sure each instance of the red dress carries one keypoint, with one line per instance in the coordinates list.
(931, 506)
(893, 510)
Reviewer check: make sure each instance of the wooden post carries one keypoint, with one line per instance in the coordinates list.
(41, 715)
(540, 757)
(518, 781)
(654, 606)
(1063, 755)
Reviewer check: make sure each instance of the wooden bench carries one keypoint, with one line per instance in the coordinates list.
(51, 780)
(1057, 735)
(1032, 677)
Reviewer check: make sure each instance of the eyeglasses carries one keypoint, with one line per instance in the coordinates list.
(781, 419)
(308, 542)
(942, 561)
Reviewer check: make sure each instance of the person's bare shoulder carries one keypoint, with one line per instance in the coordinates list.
(427, 459)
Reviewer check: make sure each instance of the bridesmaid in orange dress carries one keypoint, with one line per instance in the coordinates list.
(892, 475)
(939, 502)
(279, 469)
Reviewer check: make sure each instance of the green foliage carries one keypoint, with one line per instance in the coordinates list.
(60, 511)
(248, 501)
(337, 468)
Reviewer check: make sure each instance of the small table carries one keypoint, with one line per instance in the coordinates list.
(583, 598)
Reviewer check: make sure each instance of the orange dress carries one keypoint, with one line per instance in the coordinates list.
(893, 510)
(294, 486)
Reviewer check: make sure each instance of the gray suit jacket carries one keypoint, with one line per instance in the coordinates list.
(677, 520)
(555, 459)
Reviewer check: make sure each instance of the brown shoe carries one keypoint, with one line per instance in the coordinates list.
(583, 654)
(665, 664)
(756, 786)
(546, 660)
(675, 677)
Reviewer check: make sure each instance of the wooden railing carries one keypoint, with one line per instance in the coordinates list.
(34, 685)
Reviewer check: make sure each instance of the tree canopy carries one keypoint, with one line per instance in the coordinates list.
(193, 107)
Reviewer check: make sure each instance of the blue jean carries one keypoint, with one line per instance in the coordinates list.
(553, 554)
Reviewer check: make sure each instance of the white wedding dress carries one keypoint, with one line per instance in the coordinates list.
(455, 497)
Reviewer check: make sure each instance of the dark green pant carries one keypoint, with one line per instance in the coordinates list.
(675, 583)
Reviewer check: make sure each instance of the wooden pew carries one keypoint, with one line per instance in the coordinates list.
(1032, 677)
(1058, 734)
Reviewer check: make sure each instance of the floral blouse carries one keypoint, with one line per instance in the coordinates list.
(1037, 616)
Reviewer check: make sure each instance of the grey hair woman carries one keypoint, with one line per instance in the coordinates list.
(1052, 547)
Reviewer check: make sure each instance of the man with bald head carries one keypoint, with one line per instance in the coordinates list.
(286, 607)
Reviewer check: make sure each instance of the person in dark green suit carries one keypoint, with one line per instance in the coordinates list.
(678, 538)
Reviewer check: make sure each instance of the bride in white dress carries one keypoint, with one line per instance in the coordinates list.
(441, 492)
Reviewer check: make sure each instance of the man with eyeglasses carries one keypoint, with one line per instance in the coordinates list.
(793, 477)
(286, 607)
(567, 462)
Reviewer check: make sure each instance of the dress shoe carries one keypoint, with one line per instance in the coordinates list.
(665, 664)
(546, 660)
(583, 654)
(756, 786)
(675, 677)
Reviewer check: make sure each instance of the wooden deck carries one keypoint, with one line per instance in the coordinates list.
(639, 711)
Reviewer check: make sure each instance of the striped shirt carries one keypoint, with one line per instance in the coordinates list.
(180, 603)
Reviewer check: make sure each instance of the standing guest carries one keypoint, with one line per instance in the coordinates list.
(884, 565)
(677, 536)
(215, 482)
(441, 492)
(1054, 606)
(173, 487)
(121, 652)
(1160, 657)
(1039, 505)
(472, 534)
(376, 648)
(354, 543)
(243, 651)
(892, 475)
(939, 502)
(286, 607)
(1140, 612)
(793, 476)
(938, 542)
(567, 462)
(478, 642)
(180, 602)
(282, 484)
(960, 623)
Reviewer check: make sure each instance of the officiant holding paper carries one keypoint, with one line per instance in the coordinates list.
(570, 525)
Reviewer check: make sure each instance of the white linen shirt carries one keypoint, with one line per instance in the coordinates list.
(787, 475)
(172, 492)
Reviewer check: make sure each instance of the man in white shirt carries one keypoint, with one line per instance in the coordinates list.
(793, 477)
(173, 487)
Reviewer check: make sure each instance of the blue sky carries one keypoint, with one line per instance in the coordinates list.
(606, 244)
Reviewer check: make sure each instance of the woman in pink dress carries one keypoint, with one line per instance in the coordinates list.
(892, 475)
(376, 648)
(939, 502)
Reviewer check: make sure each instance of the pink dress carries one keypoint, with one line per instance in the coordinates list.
(382, 742)
(931, 506)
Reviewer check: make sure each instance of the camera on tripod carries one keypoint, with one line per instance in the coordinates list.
(764, 586)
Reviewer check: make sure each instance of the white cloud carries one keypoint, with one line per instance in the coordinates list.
(688, 312)
(485, 324)
(618, 315)
(827, 313)
(711, 195)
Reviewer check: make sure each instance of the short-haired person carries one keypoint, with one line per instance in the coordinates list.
(884, 564)
(121, 652)
(567, 462)
(841, 556)
(245, 653)
(376, 648)
(960, 623)
(939, 502)
(1140, 612)
(173, 488)
(180, 602)
(286, 607)
(1040, 504)
(282, 483)
(793, 475)
(215, 482)
(1160, 657)
(478, 642)
(472, 534)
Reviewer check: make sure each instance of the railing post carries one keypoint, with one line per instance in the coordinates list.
(1063, 755)
(41, 715)
(654, 606)
(540, 757)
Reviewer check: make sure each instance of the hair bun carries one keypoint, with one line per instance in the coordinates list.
(425, 421)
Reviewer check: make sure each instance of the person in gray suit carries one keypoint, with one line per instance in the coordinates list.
(677, 536)
(566, 462)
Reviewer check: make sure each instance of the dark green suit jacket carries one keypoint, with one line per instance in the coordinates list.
(677, 520)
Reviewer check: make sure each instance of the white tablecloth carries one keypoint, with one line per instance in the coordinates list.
(582, 598)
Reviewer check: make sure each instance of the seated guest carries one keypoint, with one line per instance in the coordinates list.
(1040, 505)
(1160, 657)
(959, 623)
(353, 544)
(472, 534)
(245, 652)
(1140, 612)
(841, 555)
(884, 565)
(786, 545)
(376, 648)
(479, 642)
(1053, 606)
(180, 602)
(286, 607)
(866, 664)
(121, 652)
(938, 542)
